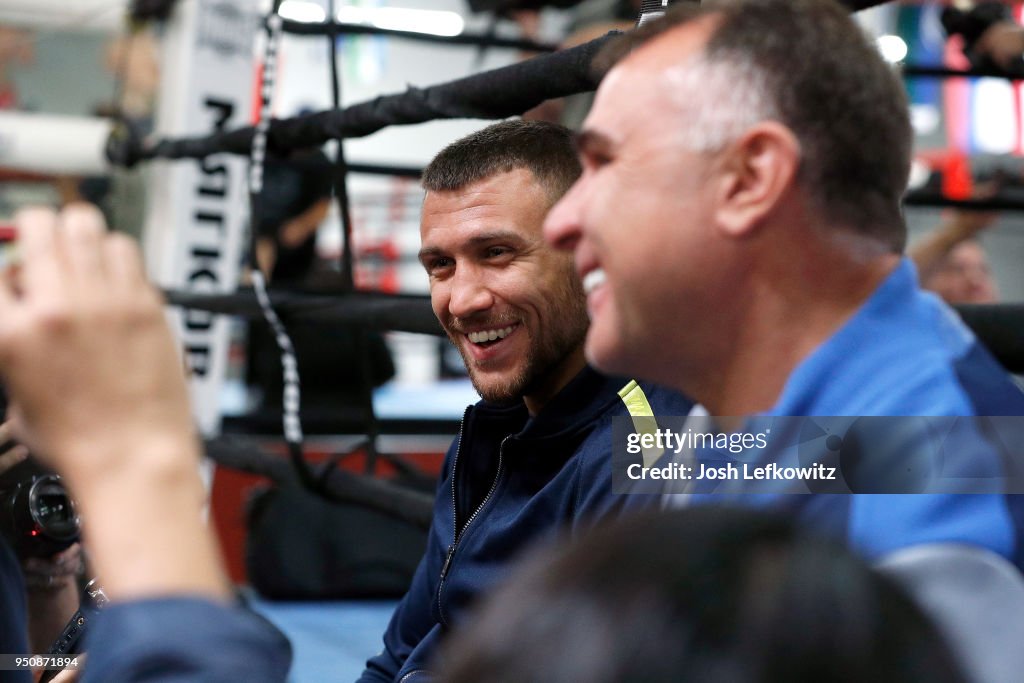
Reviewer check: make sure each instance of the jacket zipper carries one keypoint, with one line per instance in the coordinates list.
(459, 533)
(455, 518)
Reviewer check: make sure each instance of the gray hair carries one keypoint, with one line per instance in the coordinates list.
(807, 65)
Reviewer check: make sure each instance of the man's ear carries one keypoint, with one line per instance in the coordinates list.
(754, 173)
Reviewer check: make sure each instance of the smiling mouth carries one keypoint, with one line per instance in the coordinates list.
(485, 338)
(593, 280)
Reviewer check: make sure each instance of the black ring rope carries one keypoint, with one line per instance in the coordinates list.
(495, 94)
(999, 326)
(371, 310)
(924, 198)
(925, 71)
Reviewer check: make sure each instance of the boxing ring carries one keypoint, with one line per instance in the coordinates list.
(197, 222)
(197, 219)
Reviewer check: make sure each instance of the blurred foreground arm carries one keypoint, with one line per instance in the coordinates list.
(99, 394)
(93, 371)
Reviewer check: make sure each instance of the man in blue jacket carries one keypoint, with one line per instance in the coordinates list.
(739, 233)
(534, 455)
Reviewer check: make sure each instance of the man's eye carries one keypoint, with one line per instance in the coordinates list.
(494, 252)
(436, 264)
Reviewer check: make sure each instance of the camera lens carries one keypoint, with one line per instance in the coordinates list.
(37, 516)
(52, 509)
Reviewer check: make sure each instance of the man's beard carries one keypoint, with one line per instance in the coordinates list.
(544, 355)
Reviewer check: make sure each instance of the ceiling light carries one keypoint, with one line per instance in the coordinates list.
(436, 22)
(303, 11)
(893, 48)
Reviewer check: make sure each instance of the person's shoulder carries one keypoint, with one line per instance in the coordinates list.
(636, 400)
(666, 401)
(949, 371)
(913, 357)
(640, 398)
(923, 383)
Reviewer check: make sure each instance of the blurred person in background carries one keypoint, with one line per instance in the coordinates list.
(951, 260)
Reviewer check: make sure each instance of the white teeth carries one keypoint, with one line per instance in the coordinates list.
(593, 280)
(490, 335)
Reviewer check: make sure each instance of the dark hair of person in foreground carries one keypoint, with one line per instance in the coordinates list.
(703, 595)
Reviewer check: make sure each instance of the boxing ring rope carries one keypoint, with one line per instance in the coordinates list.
(931, 198)
(494, 94)
(999, 326)
(925, 71)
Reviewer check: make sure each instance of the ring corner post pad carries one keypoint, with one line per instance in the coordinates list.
(196, 216)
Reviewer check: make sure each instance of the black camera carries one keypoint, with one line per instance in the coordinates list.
(37, 516)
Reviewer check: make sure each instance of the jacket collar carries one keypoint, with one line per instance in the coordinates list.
(586, 397)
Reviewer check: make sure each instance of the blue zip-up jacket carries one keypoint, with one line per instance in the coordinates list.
(554, 470)
(507, 481)
(905, 353)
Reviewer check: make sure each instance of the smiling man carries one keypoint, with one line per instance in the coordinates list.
(739, 232)
(533, 456)
(510, 304)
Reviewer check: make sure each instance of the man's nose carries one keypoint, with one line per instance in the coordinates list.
(469, 294)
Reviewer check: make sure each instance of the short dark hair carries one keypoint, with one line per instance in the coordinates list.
(816, 72)
(545, 149)
(702, 594)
